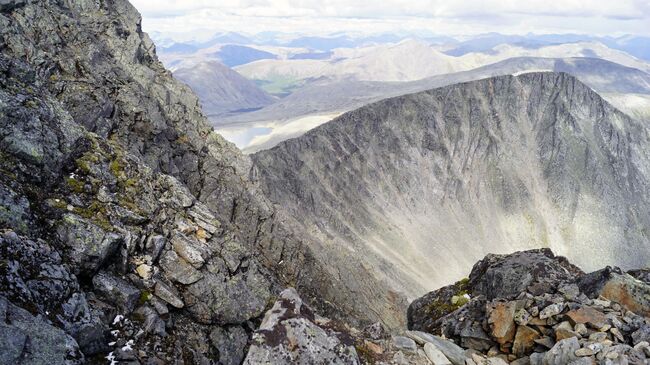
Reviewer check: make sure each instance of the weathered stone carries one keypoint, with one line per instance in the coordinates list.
(404, 344)
(117, 291)
(587, 315)
(179, 270)
(564, 330)
(289, 335)
(168, 294)
(524, 341)
(230, 342)
(154, 246)
(88, 246)
(545, 341)
(551, 310)
(642, 334)
(506, 276)
(224, 299)
(563, 352)
(453, 352)
(436, 356)
(501, 320)
(144, 271)
(584, 352)
(189, 249)
(522, 317)
(29, 340)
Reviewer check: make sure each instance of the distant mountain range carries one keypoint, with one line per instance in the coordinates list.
(300, 82)
(223, 91)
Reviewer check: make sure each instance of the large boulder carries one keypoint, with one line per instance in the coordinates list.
(506, 276)
(290, 334)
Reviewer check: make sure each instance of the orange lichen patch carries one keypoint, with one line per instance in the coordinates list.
(630, 293)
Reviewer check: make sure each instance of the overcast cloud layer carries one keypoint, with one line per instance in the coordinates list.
(599, 17)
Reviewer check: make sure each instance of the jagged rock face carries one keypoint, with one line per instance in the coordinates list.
(102, 69)
(124, 204)
(419, 187)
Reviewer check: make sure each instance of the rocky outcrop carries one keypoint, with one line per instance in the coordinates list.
(127, 223)
(290, 333)
(557, 315)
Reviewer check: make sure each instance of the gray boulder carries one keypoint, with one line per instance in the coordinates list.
(289, 334)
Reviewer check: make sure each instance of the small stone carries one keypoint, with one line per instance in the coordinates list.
(602, 303)
(524, 341)
(581, 329)
(405, 344)
(546, 342)
(496, 361)
(501, 320)
(584, 352)
(144, 271)
(522, 317)
(563, 331)
(641, 345)
(563, 352)
(598, 336)
(493, 351)
(589, 316)
(551, 310)
(534, 311)
(617, 334)
(570, 292)
(168, 294)
(435, 355)
(605, 328)
(596, 347)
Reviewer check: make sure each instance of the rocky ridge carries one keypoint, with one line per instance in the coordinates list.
(131, 233)
(535, 308)
(129, 229)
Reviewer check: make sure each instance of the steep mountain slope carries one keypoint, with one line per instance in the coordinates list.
(418, 187)
(119, 201)
(222, 90)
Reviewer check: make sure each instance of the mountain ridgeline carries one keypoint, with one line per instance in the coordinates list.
(419, 187)
(130, 232)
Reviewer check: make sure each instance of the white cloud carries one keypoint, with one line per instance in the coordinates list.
(440, 16)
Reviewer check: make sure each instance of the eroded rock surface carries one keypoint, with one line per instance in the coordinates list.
(533, 307)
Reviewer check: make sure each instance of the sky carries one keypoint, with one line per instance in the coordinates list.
(189, 19)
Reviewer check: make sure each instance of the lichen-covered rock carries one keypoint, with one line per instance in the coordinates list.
(556, 318)
(230, 342)
(289, 334)
(506, 276)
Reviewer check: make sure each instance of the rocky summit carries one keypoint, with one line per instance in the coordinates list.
(132, 233)
(533, 307)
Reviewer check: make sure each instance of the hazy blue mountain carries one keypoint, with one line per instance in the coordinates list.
(182, 48)
(222, 90)
(233, 55)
